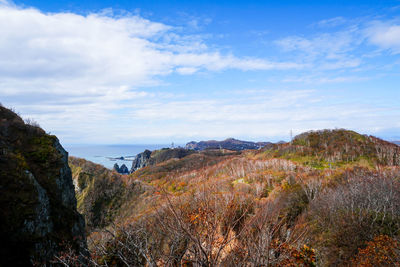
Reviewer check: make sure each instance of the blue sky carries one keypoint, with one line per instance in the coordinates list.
(160, 71)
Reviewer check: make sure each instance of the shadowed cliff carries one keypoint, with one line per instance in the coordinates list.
(38, 217)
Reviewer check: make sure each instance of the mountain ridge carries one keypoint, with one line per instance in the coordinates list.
(229, 143)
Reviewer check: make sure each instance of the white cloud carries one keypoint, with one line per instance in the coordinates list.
(326, 51)
(385, 35)
(101, 52)
(85, 77)
(329, 44)
(186, 70)
(248, 114)
(4, 2)
(320, 79)
(241, 106)
(60, 67)
(346, 48)
(332, 22)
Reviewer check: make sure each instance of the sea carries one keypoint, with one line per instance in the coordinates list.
(108, 155)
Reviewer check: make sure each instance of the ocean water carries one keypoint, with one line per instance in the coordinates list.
(106, 154)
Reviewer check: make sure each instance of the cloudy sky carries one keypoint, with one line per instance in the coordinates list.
(120, 72)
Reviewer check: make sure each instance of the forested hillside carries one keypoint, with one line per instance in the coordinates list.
(328, 198)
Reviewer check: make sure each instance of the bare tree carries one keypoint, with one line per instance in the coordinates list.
(365, 205)
(266, 240)
(210, 221)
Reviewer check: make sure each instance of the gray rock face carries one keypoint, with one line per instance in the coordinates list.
(141, 160)
(64, 180)
(41, 224)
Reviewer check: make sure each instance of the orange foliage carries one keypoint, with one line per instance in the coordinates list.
(382, 251)
(305, 256)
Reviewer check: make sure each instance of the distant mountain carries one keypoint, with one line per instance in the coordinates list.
(396, 142)
(230, 144)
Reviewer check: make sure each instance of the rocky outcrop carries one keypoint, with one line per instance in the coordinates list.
(122, 170)
(141, 160)
(230, 144)
(38, 216)
(116, 167)
(148, 158)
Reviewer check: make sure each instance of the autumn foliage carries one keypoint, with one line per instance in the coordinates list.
(381, 251)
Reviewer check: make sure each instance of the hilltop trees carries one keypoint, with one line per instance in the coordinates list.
(364, 205)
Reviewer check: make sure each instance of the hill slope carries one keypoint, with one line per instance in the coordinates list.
(104, 195)
(330, 148)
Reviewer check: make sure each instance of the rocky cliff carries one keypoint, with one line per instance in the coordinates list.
(230, 144)
(141, 160)
(38, 216)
